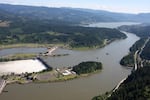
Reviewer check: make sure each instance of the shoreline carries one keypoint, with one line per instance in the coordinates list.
(28, 45)
(7, 82)
(36, 45)
(54, 81)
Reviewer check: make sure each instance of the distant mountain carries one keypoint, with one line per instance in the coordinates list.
(60, 14)
(71, 15)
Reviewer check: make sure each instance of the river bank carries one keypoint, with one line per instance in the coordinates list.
(60, 45)
(28, 45)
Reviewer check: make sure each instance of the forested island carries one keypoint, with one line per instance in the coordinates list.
(87, 67)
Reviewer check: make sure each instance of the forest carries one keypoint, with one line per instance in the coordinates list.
(87, 67)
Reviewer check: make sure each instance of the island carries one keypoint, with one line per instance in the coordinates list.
(87, 67)
(55, 74)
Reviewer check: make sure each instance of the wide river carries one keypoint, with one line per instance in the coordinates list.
(78, 89)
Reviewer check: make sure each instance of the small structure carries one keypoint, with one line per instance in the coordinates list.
(51, 50)
(66, 72)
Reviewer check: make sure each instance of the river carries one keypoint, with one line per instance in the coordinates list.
(111, 24)
(78, 89)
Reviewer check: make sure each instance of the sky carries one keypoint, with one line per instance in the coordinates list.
(125, 6)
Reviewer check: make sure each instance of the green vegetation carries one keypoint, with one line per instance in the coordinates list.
(87, 67)
(102, 97)
(17, 57)
(29, 45)
(59, 55)
(128, 60)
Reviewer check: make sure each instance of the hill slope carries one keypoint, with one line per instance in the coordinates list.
(72, 15)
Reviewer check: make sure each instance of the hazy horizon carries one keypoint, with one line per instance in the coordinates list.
(119, 6)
